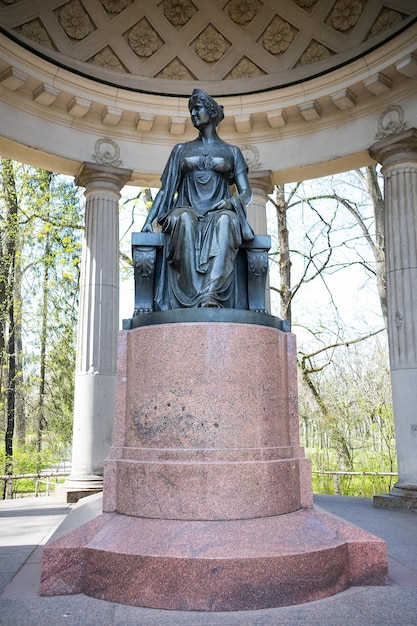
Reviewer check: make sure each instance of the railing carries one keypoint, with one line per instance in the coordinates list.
(46, 479)
(336, 475)
(41, 477)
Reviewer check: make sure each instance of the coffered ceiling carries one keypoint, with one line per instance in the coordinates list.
(230, 46)
(306, 84)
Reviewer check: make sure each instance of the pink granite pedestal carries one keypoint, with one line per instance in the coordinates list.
(207, 501)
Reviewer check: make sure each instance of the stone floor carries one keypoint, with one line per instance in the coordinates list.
(26, 525)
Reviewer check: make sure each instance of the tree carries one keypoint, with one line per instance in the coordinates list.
(324, 229)
(284, 263)
(315, 262)
(54, 267)
(332, 404)
(8, 263)
(376, 240)
(39, 274)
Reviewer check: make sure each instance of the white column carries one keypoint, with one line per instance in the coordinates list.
(94, 396)
(261, 185)
(398, 156)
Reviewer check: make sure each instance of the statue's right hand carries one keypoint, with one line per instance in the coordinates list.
(147, 228)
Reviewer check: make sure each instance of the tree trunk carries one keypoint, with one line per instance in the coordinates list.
(10, 393)
(20, 413)
(42, 422)
(42, 373)
(337, 437)
(8, 267)
(284, 254)
(379, 250)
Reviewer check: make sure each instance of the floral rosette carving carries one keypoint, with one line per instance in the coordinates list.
(74, 20)
(143, 40)
(36, 32)
(385, 21)
(277, 36)
(315, 52)
(345, 14)
(176, 71)
(178, 12)
(108, 60)
(242, 11)
(114, 6)
(210, 45)
(245, 69)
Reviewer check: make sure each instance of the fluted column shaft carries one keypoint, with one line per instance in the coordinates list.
(398, 156)
(261, 185)
(95, 376)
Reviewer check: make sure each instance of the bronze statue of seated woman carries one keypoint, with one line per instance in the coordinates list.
(204, 224)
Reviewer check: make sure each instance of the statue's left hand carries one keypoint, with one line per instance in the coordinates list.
(223, 204)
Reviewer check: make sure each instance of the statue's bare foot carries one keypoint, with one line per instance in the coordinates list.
(210, 303)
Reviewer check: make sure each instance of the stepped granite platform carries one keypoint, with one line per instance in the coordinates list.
(207, 493)
(27, 523)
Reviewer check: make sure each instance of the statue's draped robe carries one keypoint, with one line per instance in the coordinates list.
(202, 243)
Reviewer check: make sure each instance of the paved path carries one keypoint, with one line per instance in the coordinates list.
(26, 524)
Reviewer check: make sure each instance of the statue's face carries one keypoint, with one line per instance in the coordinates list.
(199, 113)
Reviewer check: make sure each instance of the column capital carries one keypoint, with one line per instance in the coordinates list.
(396, 149)
(98, 176)
(261, 180)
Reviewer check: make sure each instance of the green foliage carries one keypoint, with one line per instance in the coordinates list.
(27, 461)
(355, 430)
(45, 293)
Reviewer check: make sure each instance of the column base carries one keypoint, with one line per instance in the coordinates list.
(76, 488)
(401, 498)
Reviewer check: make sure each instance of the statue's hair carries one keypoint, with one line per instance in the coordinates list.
(214, 109)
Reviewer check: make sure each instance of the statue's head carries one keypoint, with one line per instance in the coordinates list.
(214, 109)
